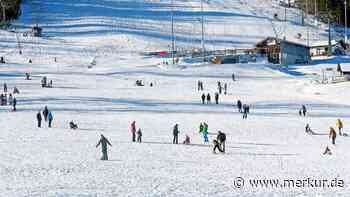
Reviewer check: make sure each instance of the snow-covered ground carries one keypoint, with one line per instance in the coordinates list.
(270, 144)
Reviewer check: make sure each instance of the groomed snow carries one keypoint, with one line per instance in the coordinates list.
(270, 144)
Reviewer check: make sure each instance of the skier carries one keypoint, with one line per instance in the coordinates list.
(233, 77)
(332, 134)
(208, 98)
(133, 130)
(205, 132)
(38, 118)
(216, 146)
(221, 138)
(176, 134)
(225, 88)
(139, 136)
(199, 85)
(303, 107)
(5, 87)
(239, 106)
(300, 113)
(45, 113)
(216, 98)
(203, 98)
(339, 125)
(50, 118)
(14, 103)
(104, 142)
(187, 140)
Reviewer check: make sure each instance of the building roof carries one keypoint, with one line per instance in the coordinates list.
(322, 43)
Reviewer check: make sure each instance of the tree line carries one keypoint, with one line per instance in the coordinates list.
(326, 9)
(10, 9)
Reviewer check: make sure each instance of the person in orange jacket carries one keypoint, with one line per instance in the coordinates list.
(339, 125)
(332, 134)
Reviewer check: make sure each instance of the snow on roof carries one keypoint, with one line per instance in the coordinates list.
(322, 43)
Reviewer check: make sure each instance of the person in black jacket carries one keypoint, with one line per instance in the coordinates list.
(208, 98)
(239, 106)
(221, 138)
(45, 113)
(176, 134)
(14, 103)
(216, 146)
(38, 118)
(216, 98)
(139, 135)
(104, 142)
(203, 98)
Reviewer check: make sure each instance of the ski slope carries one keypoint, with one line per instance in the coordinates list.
(270, 144)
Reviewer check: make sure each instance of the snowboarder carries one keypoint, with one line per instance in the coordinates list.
(303, 107)
(216, 146)
(208, 98)
(205, 132)
(45, 113)
(332, 134)
(38, 118)
(104, 142)
(73, 125)
(339, 125)
(5, 87)
(203, 98)
(139, 136)
(221, 138)
(133, 130)
(14, 103)
(176, 134)
(216, 98)
(50, 118)
(239, 106)
(187, 140)
(225, 88)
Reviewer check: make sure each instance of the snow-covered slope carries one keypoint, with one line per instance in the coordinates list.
(270, 144)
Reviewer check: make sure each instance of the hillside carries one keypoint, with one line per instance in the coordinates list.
(102, 98)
